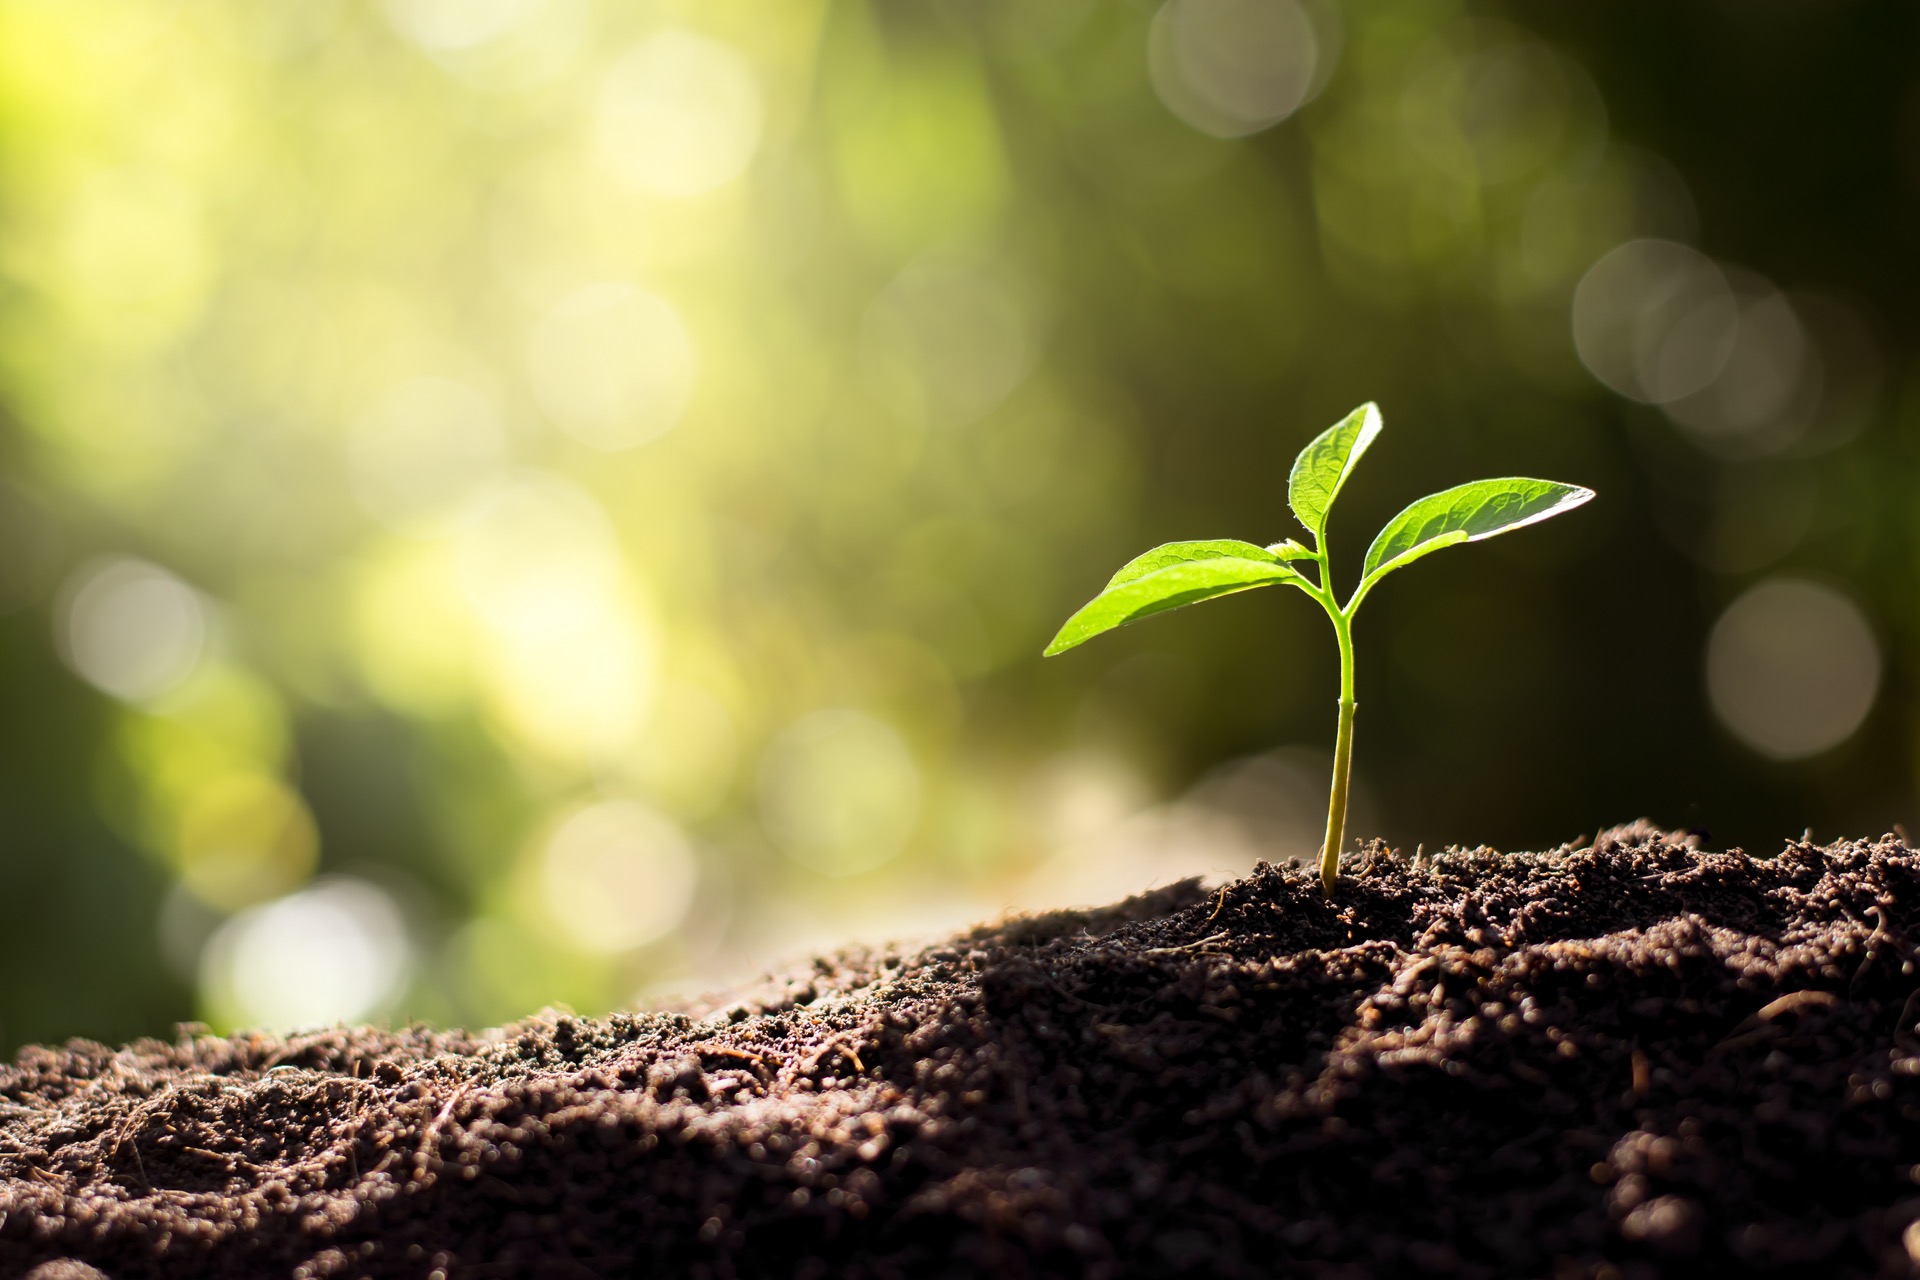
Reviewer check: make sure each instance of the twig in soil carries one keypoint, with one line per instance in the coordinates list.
(724, 1051)
(1218, 906)
(1793, 1002)
(1185, 946)
(1759, 1025)
(139, 1163)
(433, 1127)
(840, 1042)
(226, 1158)
(135, 1119)
(1880, 932)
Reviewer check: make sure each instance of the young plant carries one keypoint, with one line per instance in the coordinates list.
(1181, 573)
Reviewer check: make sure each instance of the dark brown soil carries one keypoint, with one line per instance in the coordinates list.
(1631, 1060)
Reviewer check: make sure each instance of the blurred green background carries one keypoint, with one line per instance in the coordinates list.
(525, 501)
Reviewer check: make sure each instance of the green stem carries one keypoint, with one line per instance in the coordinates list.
(1342, 757)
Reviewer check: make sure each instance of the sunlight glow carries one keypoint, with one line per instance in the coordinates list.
(680, 115)
(335, 952)
(568, 661)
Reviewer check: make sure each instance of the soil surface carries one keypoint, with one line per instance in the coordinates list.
(1634, 1059)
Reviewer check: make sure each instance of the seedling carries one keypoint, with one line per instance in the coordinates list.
(1182, 573)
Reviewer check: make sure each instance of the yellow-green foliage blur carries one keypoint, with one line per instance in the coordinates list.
(515, 502)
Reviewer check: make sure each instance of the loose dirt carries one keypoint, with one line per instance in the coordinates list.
(1635, 1059)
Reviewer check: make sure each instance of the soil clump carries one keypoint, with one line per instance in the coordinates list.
(1635, 1059)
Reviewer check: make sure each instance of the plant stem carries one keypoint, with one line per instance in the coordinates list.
(1342, 757)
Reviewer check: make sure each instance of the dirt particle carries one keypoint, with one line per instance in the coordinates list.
(1668, 1223)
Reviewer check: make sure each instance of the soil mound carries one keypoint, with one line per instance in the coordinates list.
(1639, 1058)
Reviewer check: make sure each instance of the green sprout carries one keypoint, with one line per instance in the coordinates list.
(1182, 573)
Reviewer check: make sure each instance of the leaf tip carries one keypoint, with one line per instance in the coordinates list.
(1371, 424)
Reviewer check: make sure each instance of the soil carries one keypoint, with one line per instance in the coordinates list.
(1635, 1059)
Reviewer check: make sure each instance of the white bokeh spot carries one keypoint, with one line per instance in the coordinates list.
(1792, 668)
(336, 951)
(1655, 320)
(680, 115)
(1232, 67)
(130, 628)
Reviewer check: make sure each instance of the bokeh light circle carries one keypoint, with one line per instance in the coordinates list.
(130, 628)
(612, 366)
(1232, 67)
(1766, 395)
(1655, 320)
(337, 951)
(680, 115)
(1792, 668)
(839, 792)
(616, 875)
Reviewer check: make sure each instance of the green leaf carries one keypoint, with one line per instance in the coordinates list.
(1172, 553)
(1323, 466)
(1290, 550)
(1180, 583)
(1466, 513)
